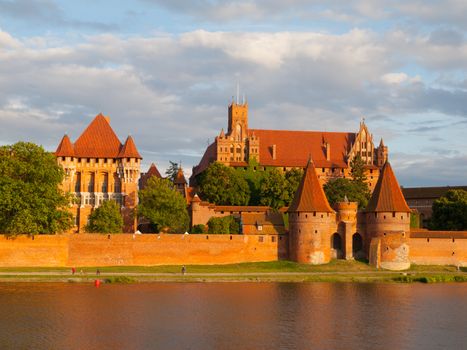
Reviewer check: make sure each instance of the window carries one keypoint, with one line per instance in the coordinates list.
(261, 239)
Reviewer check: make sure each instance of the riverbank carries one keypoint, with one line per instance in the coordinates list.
(278, 271)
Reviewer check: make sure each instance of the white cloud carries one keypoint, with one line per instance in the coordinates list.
(171, 91)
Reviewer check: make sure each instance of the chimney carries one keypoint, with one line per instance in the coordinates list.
(328, 151)
(274, 152)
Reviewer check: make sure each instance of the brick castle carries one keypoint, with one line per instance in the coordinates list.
(99, 167)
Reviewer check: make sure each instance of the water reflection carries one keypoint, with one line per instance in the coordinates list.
(233, 316)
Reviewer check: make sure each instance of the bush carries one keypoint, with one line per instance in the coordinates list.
(198, 228)
(106, 219)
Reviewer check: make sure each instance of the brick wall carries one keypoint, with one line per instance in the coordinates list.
(139, 250)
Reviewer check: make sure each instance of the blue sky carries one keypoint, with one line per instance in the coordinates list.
(164, 71)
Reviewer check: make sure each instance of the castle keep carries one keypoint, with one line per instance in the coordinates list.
(98, 167)
(332, 152)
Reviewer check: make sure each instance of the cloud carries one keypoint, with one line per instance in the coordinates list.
(171, 91)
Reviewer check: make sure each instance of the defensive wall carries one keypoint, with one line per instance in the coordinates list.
(424, 248)
(438, 247)
(139, 250)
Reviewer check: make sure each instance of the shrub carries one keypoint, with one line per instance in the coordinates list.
(224, 225)
(198, 228)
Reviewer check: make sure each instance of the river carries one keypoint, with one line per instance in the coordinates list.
(233, 316)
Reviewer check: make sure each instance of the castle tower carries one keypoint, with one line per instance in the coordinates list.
(129, 170)
(99, 168)
(387, 220)
(381, 154)
(238, 121)
(311, 221)
(347, 229)
(180, 182)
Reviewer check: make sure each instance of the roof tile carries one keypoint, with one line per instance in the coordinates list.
(310, 196)
(387, 195)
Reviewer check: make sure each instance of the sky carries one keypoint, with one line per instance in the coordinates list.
(166, 70)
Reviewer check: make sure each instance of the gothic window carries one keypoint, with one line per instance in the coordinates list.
(78, 182)
(91, 183)
(238, 131)
(105, 183)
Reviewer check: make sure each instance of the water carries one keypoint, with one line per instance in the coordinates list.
(233, 316)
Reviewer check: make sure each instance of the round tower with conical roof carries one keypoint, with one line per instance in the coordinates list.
(387, 219)
(311, 221)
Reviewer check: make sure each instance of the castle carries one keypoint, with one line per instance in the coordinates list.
(98, 167)
(332, 152)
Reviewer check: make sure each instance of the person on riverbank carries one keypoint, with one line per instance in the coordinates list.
(183, 270)
(98, 272)
(73, 270)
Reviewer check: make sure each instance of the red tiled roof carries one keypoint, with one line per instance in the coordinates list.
(129, 149)
(387, 195)
(310, 196)
(209, 156)
(65, 148)
(153, 171)
(293, 148)
(98, 140)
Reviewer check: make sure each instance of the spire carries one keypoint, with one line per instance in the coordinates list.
(180, 178)
(222, 134)
(129, 149)
(381, 143)
(65, 148)
(153, 171)
(310, 196)
(387, 195)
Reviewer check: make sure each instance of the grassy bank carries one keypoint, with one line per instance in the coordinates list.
(277, 271)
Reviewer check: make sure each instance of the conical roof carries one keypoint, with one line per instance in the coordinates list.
(180, 178)
(65, 148)
(98, 140)
(153, 171)
(129, 149)
(310, 196)
(387, 195)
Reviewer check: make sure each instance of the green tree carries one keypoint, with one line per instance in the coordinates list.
(30, 197)
(293, 178)
(106, 219)
(337, 189)
(223, 225)
(357, 169)
(222, 185)
(450, 211)
(273, 189)
(253, 177)
(172, 171)
(163, 206)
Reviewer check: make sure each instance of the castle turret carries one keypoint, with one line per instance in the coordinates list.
(180, 182)
(381, 154)
(311, 221)
(388, 223)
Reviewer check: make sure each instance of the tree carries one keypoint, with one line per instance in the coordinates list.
(357, 169)
(253, 178)
(223, 225)
(293, 178)
(172, 171)
(337, 189)
(106, 219)
(273, 189)
(450, 211)
(222, 185)
(30, 198)
(163, 206)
